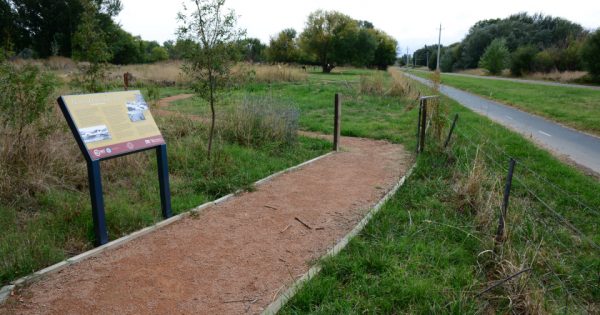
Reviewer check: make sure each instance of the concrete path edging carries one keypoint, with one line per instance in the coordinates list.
(276, 305)
(6, 291)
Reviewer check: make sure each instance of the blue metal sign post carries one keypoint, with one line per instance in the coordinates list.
(95, 179)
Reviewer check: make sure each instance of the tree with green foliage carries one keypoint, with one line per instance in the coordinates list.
(590, 54)
(329, 37)
(385, 53)
(215, 34)
(158, 54)
(89, 44)
(24, 96)
(252, 50)
(522, 60)
(48, 26)
(283, 47)
(495, 57)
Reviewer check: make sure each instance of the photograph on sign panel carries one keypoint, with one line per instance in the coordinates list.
(136, 108)
(94, 133)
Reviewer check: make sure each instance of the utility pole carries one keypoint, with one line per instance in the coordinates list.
(439, 48)
(407, 57)
(427, 58)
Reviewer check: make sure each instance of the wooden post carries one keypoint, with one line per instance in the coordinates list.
(337, 115)
(451, 130)
(419, 125)
(423, 125)
(126, 77)
(501, 233)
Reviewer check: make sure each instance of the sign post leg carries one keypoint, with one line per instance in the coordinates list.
(95, 183)
(163, 179)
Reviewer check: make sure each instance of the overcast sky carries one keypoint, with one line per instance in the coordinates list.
(412, 23)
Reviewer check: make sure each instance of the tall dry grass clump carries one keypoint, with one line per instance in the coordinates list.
(402, 86)
(272, 73)
(260, 120)
(564, 77)
(373, 84)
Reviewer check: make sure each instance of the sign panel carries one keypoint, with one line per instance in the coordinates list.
(114, 123)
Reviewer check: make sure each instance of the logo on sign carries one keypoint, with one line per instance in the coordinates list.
(108, 150)
(99, 152)
(130, 145)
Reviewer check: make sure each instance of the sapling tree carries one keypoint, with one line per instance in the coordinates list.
(89, 44)
(214, 32)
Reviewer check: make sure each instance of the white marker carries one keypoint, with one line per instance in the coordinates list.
(509, 117)
(544, 133)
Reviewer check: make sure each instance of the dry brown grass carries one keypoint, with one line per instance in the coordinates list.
(565, 77)
(166, 73)
(401, 86)
(373, 84)
(49, 159)
(276, 73)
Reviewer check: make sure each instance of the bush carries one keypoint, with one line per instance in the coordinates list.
(24, 96)
(261, 120)
(590, 54)
(522, 60)
(496, 57)
(543, 61)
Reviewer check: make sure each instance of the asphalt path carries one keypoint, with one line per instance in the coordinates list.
(579, 147)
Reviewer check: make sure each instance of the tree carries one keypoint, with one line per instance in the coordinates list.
(252, 50)
(158, 54)
(48, 26)
(385, 53)
(89, 44)
(522, 60)
(590, 54)
(283, 47)
(214, 34)
(496, 56)
(329, 36)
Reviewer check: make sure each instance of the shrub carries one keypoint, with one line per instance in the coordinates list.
(543, 61)
(590, 54)
(261, 120)
(24, 95)
(496, 57)
(522, 60)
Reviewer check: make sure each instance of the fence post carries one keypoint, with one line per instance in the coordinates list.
(423, 126)
(337, 115)
(419, 125)
(451, 130)
(126, 80)
(501, 233)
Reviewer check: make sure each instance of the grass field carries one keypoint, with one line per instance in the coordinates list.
(431, 248)
(578, 108)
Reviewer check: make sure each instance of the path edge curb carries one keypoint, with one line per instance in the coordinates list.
(275, 306)
(7, 290)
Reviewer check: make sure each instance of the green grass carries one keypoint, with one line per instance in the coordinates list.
(578, 108)
(429, 251)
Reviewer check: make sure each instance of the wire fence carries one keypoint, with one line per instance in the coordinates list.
(561, 221)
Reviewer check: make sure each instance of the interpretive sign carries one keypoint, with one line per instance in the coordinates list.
(111, 124)
(108, 125)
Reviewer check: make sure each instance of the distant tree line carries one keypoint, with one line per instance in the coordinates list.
(524, 43)
(331, 38)
(45, 28)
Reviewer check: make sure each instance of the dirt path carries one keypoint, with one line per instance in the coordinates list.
(233, 258)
